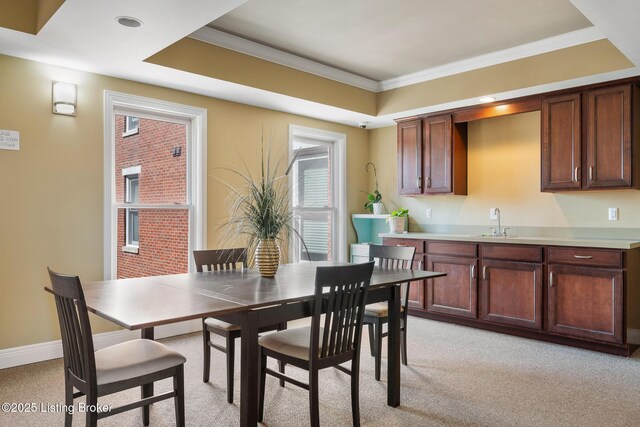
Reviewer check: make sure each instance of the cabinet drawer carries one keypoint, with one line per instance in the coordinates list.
(513, 253)
(453, 248)
(586, 256)
(418, 244)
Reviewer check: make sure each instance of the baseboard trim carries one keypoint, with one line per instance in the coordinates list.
(33, 353)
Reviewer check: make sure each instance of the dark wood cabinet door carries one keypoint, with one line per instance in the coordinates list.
(410, 157)
(561, 143)
(585, 302)
(511, 293)
(437, 157)
(609, 137)
(457, 292)
(416, 290)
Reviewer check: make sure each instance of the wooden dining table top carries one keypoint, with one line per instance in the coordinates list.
(157, 300)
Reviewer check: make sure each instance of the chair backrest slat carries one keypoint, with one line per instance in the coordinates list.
(220, 259)
(394, 257)
(342, 291)
(75, 328)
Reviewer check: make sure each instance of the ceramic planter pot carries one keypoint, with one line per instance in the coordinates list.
(396, 224)
(267, 257)
(378, 208)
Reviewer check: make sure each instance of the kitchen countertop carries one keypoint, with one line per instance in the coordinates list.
(522, 240)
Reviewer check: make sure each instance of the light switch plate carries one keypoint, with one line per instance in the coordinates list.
(427, 213)
(492, 213)
(613, 214)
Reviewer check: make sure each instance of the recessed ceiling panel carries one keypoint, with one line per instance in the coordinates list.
(382, 39)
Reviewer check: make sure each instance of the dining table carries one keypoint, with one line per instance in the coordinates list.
(244, 298)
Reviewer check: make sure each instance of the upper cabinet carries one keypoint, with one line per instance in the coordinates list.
(609, 129)
(432, 156)
(561, 142)
(410, 157)
(587, 139)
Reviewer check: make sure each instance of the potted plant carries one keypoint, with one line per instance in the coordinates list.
(259, 212)
(374, 200)
(397, 220)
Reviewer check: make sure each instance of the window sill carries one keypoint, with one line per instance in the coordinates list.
(129, 133)
(130, 249)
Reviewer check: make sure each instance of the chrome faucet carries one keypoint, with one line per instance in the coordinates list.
(500, 232)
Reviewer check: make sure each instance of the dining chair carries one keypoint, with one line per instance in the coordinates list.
(331, 340)
(111, 369)
(220, 260)
(377, 314)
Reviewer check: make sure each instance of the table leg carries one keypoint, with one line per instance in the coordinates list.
(147, 389)
(249, 369)
(393, 351)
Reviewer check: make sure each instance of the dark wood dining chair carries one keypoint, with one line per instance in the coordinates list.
(219, 260)
(111, 369)
(340, 293)
(376, 315)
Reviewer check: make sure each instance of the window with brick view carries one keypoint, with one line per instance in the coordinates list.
(153, 234)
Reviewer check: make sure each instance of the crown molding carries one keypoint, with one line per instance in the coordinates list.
(389, 119)
(239, 44)
(257, 50)
(550, 44)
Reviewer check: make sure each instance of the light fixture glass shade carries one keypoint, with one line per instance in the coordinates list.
(64, 98)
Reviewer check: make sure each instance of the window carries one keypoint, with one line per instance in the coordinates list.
(318, 192)
(131, 195)
(159, 203)
(131, 125)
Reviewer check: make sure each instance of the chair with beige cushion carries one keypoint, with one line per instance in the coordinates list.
(376, 315)
(331, 339)
(220, 260)
(112, 369)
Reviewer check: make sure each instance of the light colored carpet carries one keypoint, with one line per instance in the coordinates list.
(457, 376)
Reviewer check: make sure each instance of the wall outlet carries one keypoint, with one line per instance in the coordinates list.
(613, 214)
(427, 213)
(493, 214)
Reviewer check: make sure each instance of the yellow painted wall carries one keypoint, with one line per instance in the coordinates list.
(19, 15)
(564, 64)
(51, 192)
(213, 61)
(503, 172)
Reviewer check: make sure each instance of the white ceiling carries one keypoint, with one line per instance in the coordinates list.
(83, 35)
(382, 39)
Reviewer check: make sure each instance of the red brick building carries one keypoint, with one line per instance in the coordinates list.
(151, 169)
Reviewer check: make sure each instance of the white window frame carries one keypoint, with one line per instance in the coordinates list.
(195, 120)
(339, 162)
(128, 126)
(131, 246)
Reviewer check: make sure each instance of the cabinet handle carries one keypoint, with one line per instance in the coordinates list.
(575, 174)
(473, 271)
(551, 279)
(418, 180)
(583, 256)
(484, 272)
(591, 173)
(428, 182)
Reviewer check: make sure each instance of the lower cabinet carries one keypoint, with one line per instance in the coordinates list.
(577, 296)
(511, 293)
(457, 292)
(586, 302)
(416, 290)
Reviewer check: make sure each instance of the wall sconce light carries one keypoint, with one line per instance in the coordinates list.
(64, 98)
